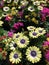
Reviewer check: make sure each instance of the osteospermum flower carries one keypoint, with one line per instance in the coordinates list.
(30, 8)
(22, 42)
(4, 14)
(33, 54)
(9, 1)
(34, 34)
(15, 57)
(13, 45)
(41, 30)
(24, 3)
(40, 8)
(6, 8)
(36, 3)
(31, 28)
(16, 1)
(16, 36)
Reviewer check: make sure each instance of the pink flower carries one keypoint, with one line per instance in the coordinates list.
(20, 14)
(47, 55)
(45, 10)
(44, 13)
(47, 35)
(46, 43)
(21, 24)
(8, 18)
(10, 34)
(18, 25)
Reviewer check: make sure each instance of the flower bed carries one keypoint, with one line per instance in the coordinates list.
(24, 32)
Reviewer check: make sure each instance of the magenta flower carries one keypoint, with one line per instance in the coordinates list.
(45, 10)
(47, 55)
(20, 14)
(46, 43)
(10, 34)
(18, 25)
(44, 13)
(8, 18)
(21, 24)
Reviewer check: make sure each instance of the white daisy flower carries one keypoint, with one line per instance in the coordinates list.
(9, 1)
(16, 36)
(16, 1)
(6, 9)
(31, 9)
(41, 31)
(33, 54)
(22, 42)
(31, 28)
(40, 8)
(4, 14)
(13, 45)
(34, 34)
(15, 57)
(24, 3)
(36, 3)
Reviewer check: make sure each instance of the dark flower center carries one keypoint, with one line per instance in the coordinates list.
(33, 53)
(15, 56)
(31, 28)
(31, 8)
(34, 33)
(17, 36)
(22, 41)
(14, 45)
(40, 31)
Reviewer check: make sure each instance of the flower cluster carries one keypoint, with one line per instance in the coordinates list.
(24, 26)
(46, 47)
(36, 32)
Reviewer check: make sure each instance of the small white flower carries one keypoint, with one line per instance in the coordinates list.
(9, 1)
(40, 8)
(6, 9)
(31, 28)
(16, 1)
(24, 3)
(34, 34)
(13, 45)
(41, 31)
(36, 3)
(4, 14)
(30, 8)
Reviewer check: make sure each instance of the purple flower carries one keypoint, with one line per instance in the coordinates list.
(18, 25)
(44, 13)
(10, 34)
(20, 14)
(47, 35)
